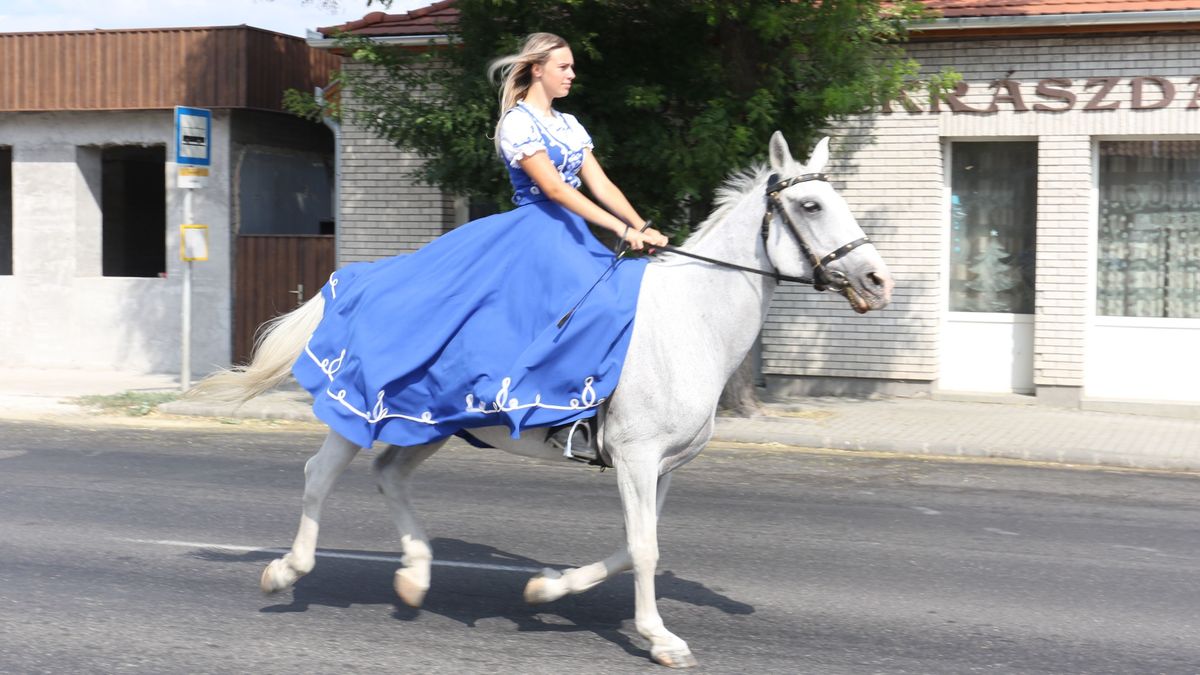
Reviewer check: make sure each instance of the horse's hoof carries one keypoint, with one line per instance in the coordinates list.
(411, 592)
(674, 658)
(542, 588)
(276, 577)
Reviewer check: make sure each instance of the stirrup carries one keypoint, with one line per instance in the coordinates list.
(586, 453)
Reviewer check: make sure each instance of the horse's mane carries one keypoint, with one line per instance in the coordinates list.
(736, 186)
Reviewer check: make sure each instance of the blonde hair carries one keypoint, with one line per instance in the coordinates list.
(516, 70)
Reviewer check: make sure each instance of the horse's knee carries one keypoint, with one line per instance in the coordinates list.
(646, 558)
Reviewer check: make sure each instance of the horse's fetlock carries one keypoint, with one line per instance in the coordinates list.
(302, 564)
(416, 552)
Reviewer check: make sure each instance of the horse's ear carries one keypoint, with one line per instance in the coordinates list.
(779, 153)
(820, 155)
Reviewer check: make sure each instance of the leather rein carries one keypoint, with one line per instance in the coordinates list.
(822, 278)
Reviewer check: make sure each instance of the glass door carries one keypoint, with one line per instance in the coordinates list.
(988, 340)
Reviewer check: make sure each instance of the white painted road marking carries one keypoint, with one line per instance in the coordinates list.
(331, 554)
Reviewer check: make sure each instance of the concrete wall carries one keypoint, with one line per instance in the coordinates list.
(57, 310)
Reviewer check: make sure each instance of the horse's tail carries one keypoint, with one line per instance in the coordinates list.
(276, 348)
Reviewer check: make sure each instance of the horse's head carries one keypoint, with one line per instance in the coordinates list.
(812, 232)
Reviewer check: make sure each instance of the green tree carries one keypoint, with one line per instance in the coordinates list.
(676, 93)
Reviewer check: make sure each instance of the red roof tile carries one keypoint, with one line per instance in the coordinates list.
(974, 8)
(432, 20)
(439, 17)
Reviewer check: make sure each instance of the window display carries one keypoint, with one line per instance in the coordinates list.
(993, 210)
(1149, 229)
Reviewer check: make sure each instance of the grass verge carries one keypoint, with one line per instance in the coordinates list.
(130, 403)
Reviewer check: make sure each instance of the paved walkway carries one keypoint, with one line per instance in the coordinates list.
(901, 425)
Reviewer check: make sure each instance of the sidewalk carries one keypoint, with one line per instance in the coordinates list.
(900, 425)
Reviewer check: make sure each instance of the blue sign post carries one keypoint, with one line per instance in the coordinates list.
(193, 144)
(193, 156)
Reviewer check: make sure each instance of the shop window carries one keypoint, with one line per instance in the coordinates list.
(1149, 231)
(993, 211)
(6, 230)
(134, 210)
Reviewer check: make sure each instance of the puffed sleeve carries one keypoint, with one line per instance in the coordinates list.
(580, 135)
(519, 137)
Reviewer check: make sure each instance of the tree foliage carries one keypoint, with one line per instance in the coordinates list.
(676, 93)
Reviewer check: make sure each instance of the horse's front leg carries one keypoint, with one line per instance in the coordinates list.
(637, 478)
(551, 585)
(395, 467)
(320, 473)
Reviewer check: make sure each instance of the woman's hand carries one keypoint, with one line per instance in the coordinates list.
(648, 238)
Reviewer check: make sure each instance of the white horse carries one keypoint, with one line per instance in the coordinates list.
(696, 320)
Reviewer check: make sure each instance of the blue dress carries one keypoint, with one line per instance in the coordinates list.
(465, 332)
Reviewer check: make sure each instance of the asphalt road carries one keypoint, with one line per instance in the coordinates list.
(137, 550)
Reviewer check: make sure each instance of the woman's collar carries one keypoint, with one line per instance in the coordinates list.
(553, 113)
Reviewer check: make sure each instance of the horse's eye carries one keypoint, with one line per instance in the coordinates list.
(810, 207)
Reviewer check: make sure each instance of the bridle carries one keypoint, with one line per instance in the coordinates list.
(822, 278)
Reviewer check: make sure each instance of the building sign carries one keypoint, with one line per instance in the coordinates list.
(1056, 94)
(193, 142)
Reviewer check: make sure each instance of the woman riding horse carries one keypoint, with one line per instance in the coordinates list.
(465, 332)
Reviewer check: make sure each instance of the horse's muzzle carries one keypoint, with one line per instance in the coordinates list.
(872, 291)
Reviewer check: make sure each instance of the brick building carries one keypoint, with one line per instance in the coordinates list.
(1042, 219)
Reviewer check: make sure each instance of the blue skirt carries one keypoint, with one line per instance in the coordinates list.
(464, 332)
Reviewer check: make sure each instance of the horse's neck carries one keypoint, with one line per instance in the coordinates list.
(733, 303)
(737, 238)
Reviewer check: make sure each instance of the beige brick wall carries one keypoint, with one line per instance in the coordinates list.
(810, 333)
(384, 211)
(890, 168)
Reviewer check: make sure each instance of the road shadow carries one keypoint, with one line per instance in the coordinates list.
(469, 595)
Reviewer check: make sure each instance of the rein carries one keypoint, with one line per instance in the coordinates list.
(734, 266)
(822, 278)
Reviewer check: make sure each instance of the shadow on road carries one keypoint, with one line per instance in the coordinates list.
(471, 595)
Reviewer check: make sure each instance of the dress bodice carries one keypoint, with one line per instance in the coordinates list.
(524, 132)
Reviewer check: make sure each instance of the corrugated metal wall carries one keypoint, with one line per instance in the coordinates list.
(227, 67)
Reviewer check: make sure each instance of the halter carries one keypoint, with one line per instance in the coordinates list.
(822, 278)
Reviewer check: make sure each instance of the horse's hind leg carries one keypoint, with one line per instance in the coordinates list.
(320, 472)
(550, 585)
(395, 467)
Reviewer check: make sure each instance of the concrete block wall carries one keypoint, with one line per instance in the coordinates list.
(384, 210)
(57, 309)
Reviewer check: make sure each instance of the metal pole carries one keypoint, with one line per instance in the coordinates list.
(185, 358)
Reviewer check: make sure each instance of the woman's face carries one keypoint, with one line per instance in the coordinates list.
(556, 73)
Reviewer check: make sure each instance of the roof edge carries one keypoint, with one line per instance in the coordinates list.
(1058, 20)
(319, 41)
(159, 29)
